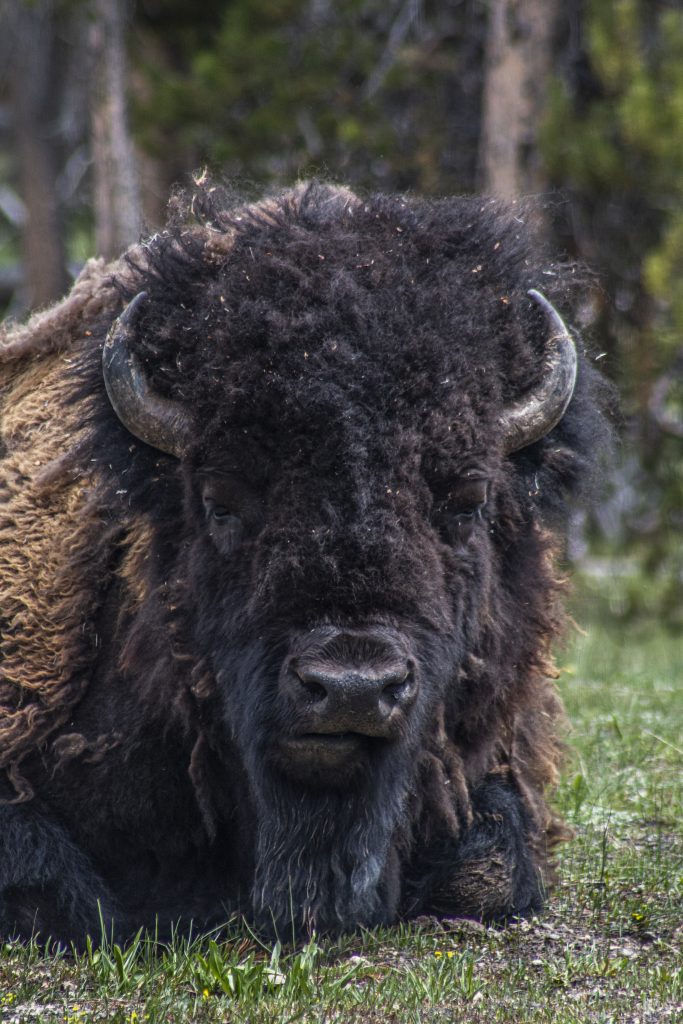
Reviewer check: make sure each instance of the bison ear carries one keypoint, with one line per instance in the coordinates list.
(156, 420)
(537, 412)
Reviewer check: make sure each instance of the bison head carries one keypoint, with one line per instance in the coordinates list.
(360, 409)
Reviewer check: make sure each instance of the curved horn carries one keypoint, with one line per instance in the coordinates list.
(537, 412)
(157, 421)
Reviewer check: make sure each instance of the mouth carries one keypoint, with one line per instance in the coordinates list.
(337, 744)
(328, 759)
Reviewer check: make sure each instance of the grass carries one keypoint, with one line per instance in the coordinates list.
(608, 949)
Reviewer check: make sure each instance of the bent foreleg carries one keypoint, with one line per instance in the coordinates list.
(492, 869)
(47, 885)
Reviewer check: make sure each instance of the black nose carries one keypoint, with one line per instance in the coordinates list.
(389, 686)
(336, 698)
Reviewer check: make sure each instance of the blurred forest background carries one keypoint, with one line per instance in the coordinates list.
(106, 104)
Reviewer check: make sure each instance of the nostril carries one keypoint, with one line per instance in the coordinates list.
(399, 689)
(312, 687)
(396, 687)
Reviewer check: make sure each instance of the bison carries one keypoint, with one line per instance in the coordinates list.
(282, 493)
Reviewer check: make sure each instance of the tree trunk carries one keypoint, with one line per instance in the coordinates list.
(31, 69)
(518, 64)
(118, 217)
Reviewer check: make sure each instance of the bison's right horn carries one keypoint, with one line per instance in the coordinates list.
(537, 412)
(156, 420)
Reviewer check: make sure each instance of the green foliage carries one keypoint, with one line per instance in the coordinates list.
(616, 143)
(275, 89)
(627, 133)
(612, 139)
(617, 139)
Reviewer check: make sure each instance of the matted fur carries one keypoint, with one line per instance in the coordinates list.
(84, 533)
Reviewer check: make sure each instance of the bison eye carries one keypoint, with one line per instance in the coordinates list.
(233, 508)
(220, 512)
(225, 529)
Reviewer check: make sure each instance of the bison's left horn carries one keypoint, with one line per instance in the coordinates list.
(540, 410)
(156, 420)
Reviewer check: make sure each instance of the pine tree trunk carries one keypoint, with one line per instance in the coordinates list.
(118, 217)
(31, 72)
(518, 63)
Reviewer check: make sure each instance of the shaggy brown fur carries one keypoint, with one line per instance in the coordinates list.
(51, 531)
(80, 551)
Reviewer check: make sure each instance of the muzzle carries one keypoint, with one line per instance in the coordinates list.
(343, 691)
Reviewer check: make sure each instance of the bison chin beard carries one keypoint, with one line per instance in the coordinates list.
(325, 860)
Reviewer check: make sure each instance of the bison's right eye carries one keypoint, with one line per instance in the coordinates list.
(224, 518)
(233, 508)
(220, 512)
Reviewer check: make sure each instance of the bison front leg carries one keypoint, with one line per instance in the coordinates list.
(491, 870)
(47, 885)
